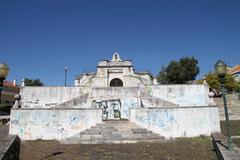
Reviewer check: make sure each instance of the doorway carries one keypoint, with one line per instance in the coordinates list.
(116, 82)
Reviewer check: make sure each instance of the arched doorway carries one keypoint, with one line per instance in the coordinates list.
(116, 82)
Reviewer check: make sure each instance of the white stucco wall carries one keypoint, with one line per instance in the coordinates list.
(121, 105)
(123, 99)
(51, 124)
(47, 97)
(178, 122)
(115, 92)
(183, 95)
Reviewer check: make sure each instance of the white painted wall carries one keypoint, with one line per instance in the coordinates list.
(183, 95)
(115, 92)
(47, 97)
(52, 124)
(178, 122)
(122, 105)
(123, 98)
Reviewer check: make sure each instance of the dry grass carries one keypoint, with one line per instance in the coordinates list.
(181, 149)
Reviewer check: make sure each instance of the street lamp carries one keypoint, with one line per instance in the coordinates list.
(221, 70)
(3, 74)
(65, 71)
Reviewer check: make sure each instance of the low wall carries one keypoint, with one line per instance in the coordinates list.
(183, 95)
(9, 145)
(52, 124)
(47, 97)
(122, 105)
(10, 148)
(115, 92)
(220, 144)
(119, 98)
(178, 122)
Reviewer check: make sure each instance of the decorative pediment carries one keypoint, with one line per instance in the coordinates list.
(116, 57)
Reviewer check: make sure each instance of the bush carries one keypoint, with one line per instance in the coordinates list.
(5, 109)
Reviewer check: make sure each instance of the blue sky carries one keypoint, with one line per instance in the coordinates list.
(38, 38)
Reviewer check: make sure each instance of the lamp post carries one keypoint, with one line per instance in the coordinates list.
(3, 74)
(65, 71)
(221, 70)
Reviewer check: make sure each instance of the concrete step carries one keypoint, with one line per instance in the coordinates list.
(114, 132)
(102, 141)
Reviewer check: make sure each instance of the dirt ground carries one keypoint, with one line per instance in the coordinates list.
(199, 148)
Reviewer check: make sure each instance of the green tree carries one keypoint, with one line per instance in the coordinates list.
(31, 82)
(162, 78)
(179, 72)
(214, 82)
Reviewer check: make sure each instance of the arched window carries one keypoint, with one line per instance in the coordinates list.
(116, 82)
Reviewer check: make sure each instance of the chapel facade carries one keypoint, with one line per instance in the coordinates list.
(114, 73)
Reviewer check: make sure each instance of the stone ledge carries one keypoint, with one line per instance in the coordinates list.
(220, 145)
(10, 145)
(177, 107)
(56, 109)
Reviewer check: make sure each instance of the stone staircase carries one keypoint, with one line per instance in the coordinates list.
(233, 107)
(151, 101)
(115, 131)
(77, 101)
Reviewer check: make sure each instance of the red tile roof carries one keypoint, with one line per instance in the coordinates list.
(8, 84)
(234, 70)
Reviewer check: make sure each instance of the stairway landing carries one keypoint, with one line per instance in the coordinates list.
(114, 131)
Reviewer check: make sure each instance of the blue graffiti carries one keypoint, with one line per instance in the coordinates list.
(126, 106)
(158, 118)
(73, 118)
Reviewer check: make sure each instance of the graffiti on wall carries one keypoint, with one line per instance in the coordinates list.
(161, 119)
(109, 107)
(199, 100)
(116, 105)
(50, 104)
(127, 104)
(57, 125)
(183, 95)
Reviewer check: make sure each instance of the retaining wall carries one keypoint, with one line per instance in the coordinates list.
(183, 95)
(115, 92)
(178, 122)
(47, 97)
(50, 124)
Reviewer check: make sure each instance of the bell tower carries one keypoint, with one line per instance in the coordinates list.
(116, 57)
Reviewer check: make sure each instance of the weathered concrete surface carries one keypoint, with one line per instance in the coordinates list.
(47, 97)
(178, 122)
(233, 102)
(182, 95)
(9, 145)
(116, 98)
(151, 101)
(78, 102)
(121, 106)
(121, 131)
(50, 124)
(220, 145)
(115, 92)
